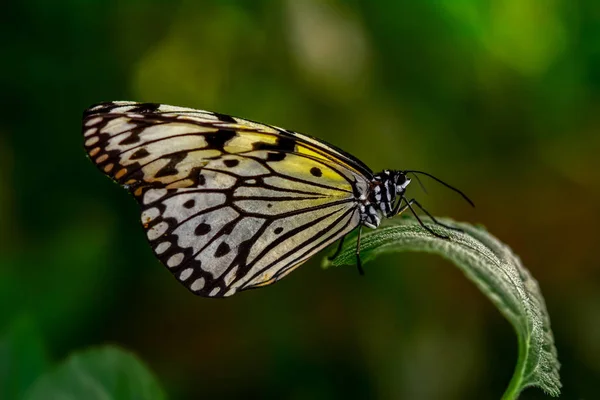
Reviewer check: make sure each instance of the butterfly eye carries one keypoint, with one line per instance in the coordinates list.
(401, 183)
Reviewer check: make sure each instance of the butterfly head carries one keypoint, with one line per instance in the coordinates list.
(388, 185)
(401, 181)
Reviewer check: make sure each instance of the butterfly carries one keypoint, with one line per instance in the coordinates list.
(229, 204)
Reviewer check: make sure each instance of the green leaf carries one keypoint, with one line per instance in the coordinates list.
(496, 271)
(106, 373)
(22, 357)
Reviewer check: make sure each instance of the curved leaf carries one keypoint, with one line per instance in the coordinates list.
(496, 271)
(106, 373)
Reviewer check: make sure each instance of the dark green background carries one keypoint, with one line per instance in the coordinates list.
(500, 98)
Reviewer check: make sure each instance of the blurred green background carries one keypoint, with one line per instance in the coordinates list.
(500, 98)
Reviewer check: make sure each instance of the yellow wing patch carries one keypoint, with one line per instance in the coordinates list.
(227, 204)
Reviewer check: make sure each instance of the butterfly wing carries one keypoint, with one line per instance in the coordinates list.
(228, 204)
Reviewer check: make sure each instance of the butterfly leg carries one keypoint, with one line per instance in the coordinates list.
(338, 250)
(409, 206)
(358, 262)
(397, 208)
(415, 202)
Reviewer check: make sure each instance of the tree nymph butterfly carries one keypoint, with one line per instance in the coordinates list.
(229, 204)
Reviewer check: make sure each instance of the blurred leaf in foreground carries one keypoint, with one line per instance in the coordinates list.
(107, 373)
(22, 357)
(496, 271)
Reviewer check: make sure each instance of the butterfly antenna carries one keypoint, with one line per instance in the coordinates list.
(443, 183)
(420, 183)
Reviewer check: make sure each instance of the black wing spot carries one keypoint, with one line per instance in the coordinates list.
(141, 153)
(202, 229)
(231, 163)
(218, 139)
(225, 118)
(133, 138)
(282, 144)
(201, 180)
(316, 172)
(242, 255)
(145, 108)
(278, 230)
(190, 203)
(286, 144)
(167, 170)
(171, 167)
(264, 146)
(222, 250)
(269, 205)
(275, 156)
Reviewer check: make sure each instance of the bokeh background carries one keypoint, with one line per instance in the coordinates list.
(501, 98)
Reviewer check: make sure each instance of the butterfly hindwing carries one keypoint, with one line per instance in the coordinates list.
(227, 204)
(217, 250)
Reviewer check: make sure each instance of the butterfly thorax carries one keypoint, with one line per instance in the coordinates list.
(386, 188)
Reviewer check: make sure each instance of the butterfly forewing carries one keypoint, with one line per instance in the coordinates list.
(227, 204)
